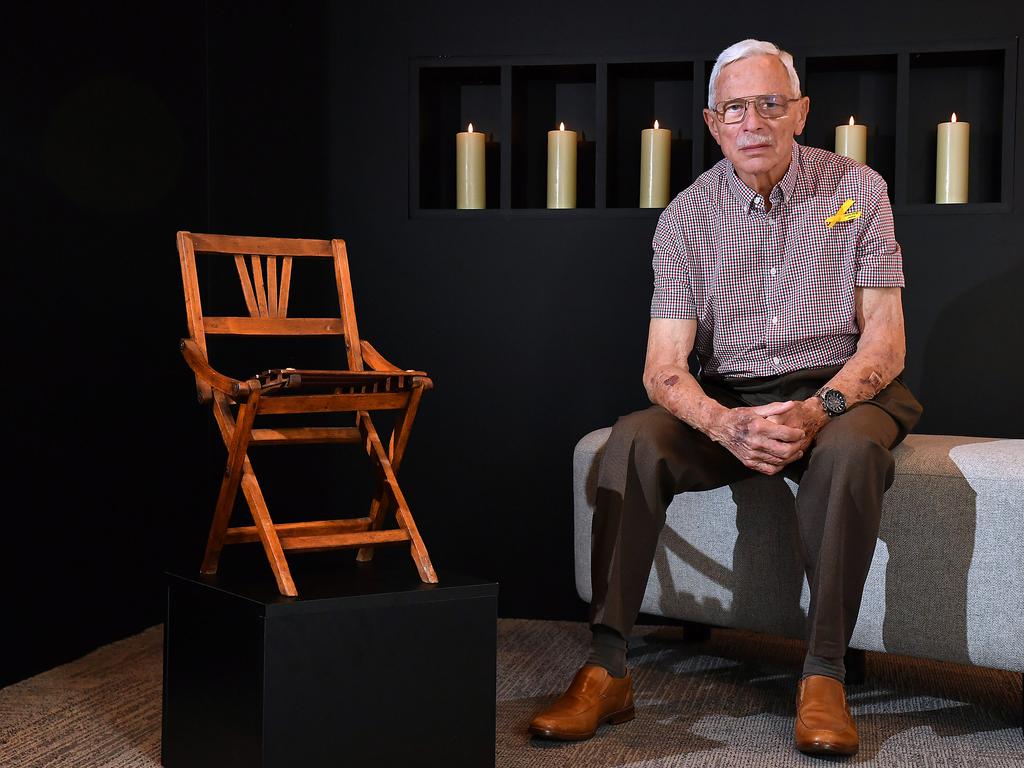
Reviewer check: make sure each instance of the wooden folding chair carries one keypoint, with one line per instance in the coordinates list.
(367, 383)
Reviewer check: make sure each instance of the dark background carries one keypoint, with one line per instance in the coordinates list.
(122, 126)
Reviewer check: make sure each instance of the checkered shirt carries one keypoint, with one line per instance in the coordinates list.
(773, 292)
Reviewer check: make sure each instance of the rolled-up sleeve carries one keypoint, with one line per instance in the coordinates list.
(673, 294)
(878, 258)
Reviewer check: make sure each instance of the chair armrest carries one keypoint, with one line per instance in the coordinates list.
(376, 361)
(205, 374)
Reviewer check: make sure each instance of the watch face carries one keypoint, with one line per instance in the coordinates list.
(834, 401)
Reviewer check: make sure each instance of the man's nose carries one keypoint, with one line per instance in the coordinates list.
(752, 119)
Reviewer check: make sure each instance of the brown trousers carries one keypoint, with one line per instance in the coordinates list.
(651, 456)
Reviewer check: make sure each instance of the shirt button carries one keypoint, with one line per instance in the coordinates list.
(775, 361)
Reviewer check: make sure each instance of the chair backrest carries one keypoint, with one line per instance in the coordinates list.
(264, 267)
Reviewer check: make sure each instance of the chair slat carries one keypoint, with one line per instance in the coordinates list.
(280, 246)
(259, 287)
(336, 378)
(243, 276)
(286, 284)
(295, 435)
(271, 326)
(345, 540)
(246, 534)
(333, 403)
(272, 286)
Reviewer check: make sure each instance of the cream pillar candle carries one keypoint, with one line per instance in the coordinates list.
(852, 141)
(655, 163)
(561, 168)
(470, 184)
(952, 162)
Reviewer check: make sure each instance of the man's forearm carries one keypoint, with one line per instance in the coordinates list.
(678, 392)
(871, 369)
(881, 348)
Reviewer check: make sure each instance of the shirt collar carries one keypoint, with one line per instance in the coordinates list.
(782, 191)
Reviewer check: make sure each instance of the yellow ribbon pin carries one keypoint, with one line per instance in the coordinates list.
(842, 215)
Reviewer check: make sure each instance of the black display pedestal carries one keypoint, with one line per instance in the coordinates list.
(368, 667)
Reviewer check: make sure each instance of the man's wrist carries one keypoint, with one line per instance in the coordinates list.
(709, 415)
(833, 401)
(817, 407)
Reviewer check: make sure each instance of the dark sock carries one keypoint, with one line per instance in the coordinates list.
(822, 665)
(608, 650)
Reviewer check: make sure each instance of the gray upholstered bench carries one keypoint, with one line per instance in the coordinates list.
(946, 582)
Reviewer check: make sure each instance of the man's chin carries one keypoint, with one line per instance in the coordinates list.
(756, 164)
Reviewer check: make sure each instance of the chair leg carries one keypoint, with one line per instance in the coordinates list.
(396, 452)
(403, 426)
(239, 473)
(417, 548)
(378, 510)
(268, 535)
(403, 516)
(238, 442)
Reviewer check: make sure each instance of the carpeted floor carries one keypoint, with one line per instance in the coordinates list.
(726, 701)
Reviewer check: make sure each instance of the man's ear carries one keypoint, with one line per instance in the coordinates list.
(803, 107)
(712, 122)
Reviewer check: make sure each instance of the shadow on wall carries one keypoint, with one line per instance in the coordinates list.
(976, 339)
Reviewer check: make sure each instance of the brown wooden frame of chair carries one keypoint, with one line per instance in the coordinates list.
(236, 404)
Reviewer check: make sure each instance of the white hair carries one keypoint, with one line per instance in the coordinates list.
(744, 50)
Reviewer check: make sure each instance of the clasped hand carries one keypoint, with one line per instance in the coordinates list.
(766, 438)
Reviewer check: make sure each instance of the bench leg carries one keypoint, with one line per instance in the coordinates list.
(695, 632)
(855, 661)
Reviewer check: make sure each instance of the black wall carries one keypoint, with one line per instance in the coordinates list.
(558, 307)
(123, 126)
(104, 157)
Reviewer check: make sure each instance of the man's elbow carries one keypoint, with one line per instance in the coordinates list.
(899, 361)
(650, 379)
(656, 374)
(894, 359)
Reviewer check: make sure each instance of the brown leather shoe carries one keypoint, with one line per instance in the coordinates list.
(824, 725)
(594, 697)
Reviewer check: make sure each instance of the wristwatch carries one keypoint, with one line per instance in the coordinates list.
(832, 401)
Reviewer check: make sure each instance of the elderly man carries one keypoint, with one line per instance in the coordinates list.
(792, 304)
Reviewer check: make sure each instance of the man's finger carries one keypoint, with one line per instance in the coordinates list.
(779, 451)
(770, 430)
(773, 409)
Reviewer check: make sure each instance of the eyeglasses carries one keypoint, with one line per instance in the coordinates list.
(770, 106)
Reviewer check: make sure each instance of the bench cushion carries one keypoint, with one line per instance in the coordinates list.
(946, 581)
